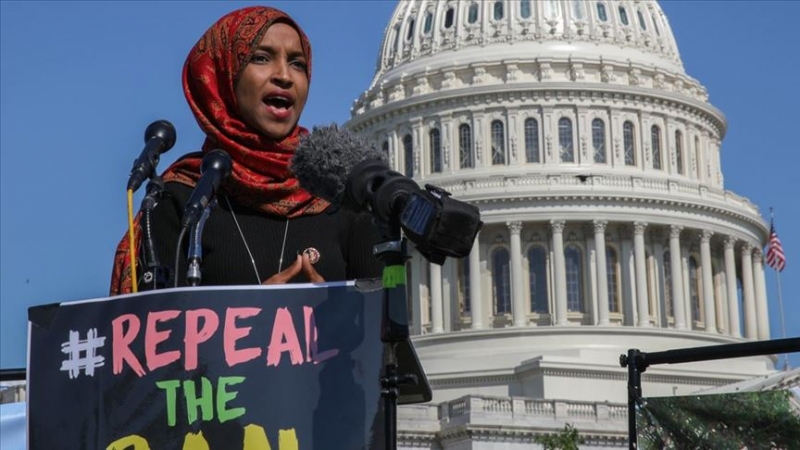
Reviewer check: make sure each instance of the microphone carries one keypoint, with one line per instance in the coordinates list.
(195, 254)
(158, 138)
(345, 169)
(216, 167)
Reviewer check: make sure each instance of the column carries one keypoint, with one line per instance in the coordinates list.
(628, 278)
(641, 274)
(475, 294)
(730, 280)
(679, 314)
(437, 317)
(750, 323)
(708, 281)
(519, 312)
(762, 311)
(557, 228)
(602, 270)
(657, 237)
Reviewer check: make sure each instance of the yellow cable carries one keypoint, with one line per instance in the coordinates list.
(132, 241)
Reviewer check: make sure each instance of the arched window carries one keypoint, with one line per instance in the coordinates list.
(501, 281)
(679, 151)
(410, 31)
(463, 285)
(436, 151)
(498, 10)
(599, 140)
(448, 17)
(537, 268)
(385, 148)
(428, 24)
(578, 11)
(642, 24)
(466, 155)
(655, 141)
(472, 13)
(601, 12)
(574, 265)
(697, 158)
(408, 155)
(525, 9)
(532, 141)
(629, 143)
(565, 144)
(655, 24)
(623, 15)
(552, 9)
(694, 289)
(668, 303)
(396, 45)
(614, 285)
(498, 143)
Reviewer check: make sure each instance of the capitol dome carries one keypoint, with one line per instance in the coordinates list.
(595, 161)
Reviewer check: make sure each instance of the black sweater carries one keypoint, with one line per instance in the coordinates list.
(344, 240)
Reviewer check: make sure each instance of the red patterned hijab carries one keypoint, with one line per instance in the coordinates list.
(261, 178)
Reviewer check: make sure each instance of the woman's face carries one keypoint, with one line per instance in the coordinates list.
(273, 87)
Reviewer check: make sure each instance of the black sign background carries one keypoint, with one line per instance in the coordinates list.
(331, 405)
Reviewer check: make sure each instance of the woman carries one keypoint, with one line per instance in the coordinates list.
(247, 82)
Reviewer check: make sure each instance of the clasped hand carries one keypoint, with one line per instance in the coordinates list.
(301, 264)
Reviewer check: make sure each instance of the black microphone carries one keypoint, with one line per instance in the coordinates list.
(194, 256)
(345, 169)
(215, 169)
(158, 138)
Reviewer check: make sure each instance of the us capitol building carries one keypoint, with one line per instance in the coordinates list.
(595, 161)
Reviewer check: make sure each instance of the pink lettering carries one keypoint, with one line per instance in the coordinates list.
(153, 337)
(120, 345)
(312, 340)
(232, 334)
(284, 339)
(194, 336)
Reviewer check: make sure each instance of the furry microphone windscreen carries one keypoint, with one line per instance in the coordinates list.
(326, 157)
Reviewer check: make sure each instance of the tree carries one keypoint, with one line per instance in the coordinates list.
(566, 439)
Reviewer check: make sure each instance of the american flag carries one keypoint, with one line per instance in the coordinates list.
(775, 256)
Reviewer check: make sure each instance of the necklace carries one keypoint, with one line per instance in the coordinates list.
(247, 247)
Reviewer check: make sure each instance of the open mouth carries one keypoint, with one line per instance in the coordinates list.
(278, 102)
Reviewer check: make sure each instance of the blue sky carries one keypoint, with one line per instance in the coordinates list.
(80, 81)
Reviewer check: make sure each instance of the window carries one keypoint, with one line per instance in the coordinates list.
(694, 289)
(408, 154)
(448, 17)
(697, 158)
(472, 13)
(498, 10)
(629, 143)
(552, 9)
(396, 45)
(428, 24)
(612, 275)
(565, 140)
(385, 148)
(537, 268)
(410, 31)
(679, 151)
(599, 140)
(601, 12)
(463, 285)
(655, 141)
(436, 151)
(642, 24)
(623, 15)
(498, 143)
(655, 25)
(525, 9)
(578, 11)
(501, 280)
(574, 263)
(466, 156)
(668, 303)
(532, 141)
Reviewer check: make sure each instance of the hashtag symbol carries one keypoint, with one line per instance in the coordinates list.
(82, 353)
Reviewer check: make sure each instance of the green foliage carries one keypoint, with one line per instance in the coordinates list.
(566, 439)
(753, 420)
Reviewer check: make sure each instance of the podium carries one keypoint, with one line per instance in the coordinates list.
(251, 367)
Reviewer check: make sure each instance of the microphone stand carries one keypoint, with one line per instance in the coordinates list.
(392, 251)
(154, 275)
(195, 255)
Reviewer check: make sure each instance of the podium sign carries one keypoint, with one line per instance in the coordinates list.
(252, 368)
